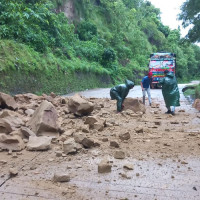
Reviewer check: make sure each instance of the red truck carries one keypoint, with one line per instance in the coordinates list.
(159, 62)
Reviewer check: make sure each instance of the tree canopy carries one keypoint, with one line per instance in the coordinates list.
(190, 14)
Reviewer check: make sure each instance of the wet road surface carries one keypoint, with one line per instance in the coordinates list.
(152, 178)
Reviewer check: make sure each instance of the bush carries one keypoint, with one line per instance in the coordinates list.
(108, 56)
(86, 30)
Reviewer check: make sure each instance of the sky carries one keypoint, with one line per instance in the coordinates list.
(169, 10)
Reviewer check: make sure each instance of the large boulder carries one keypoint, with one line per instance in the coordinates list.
(44, 120)
(39, 143)
(14, 143)
(80, 106)
(26, 98)
(134, 105)
(7, 101)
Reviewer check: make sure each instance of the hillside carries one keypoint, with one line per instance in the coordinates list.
(48, 44)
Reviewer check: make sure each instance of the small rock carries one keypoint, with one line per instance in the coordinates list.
(184, 163)
(13, 171)
(10, 152)
(87, 143)
(3, 162)
(58, 153)
(194, 188)
(114, 144)
(105, 139)
(125, 176)
(104, 167)
(128, 166)
(33, 167)
(139, 130)
(124, 136)
(61, 177)
(14, 155)
(119, 155)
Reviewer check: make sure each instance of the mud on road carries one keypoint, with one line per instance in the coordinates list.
(151, 155)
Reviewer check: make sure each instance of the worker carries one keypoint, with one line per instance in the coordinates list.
(170, 91)
(145, 85)
(120, 92)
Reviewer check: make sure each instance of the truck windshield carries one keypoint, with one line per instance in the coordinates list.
(159, 62)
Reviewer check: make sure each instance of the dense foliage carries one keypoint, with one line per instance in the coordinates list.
(113, 37)
(191, 16)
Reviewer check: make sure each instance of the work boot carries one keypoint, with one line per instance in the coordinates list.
(168, 112)
(173, 113)
(143, 100)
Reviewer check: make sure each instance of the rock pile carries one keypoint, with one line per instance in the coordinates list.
(72, 124)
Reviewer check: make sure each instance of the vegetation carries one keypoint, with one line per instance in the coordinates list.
(197, 91)
(190, 15)
(193, 92)
(105, 40)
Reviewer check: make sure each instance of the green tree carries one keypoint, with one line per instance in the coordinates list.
(190, 14)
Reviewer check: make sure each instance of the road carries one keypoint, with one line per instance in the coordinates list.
(163, 150)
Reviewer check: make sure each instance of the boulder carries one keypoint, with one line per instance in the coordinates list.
(14, 143)
(9, 124)
(39, 143)
(133, 104)
(8, 113)
(26, 98)
(7, 101)
(5, 127)
(80, 106)
(44, 120)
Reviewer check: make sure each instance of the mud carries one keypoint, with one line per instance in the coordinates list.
(164, 151)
